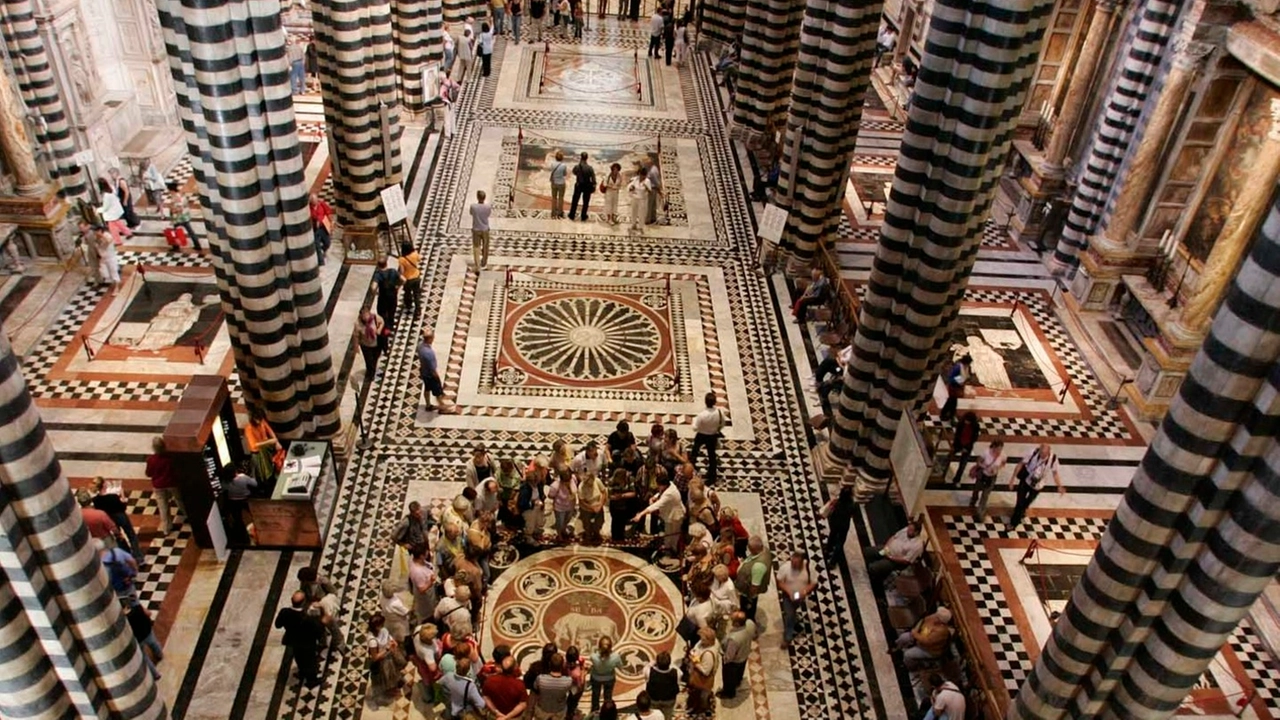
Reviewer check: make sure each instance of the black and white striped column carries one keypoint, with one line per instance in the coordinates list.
(833, 71)
(410, 40)
(770, 39)
(361, 109)
(1195, 540)
(974, 75)
(65, 649)
(235, 104)
(455, 11)
(39, 90)
(722, 22)
(1113, 134)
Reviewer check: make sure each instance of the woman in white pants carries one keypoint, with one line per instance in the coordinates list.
(108, 261)
(638, 192)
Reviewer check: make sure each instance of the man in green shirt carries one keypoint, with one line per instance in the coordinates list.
(753, 575)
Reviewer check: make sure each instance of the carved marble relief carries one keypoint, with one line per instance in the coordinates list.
(81, 70)
(1234, 172)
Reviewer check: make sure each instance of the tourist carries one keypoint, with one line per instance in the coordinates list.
(834, 365)
(638, 192)
(622, 502)
(632, 461)
(662, 685)
(667, 506)
(386, 285)
(412, 532)
(927, 641)
(180, 216)
(655, 32)
(604, 672)
(297, 64)
(396, 612)
(564, 16)
(584, 184)
(516, 9)
(753, 575)
(486, 48)
(536, 668)
(509, 479)
(886, 39)
(559, 173)
(323, 597)
(681, 41)
(160, 471)
(386, 663)
(586, 464)
(430, 375)
(575, 666)
(737, 648)
(267, 456)
(461, 690)
(652, 175)
(1029, 475)
(450, 50)
(704, 661)
(984, 475)
(561, 456)
(531, 501)
(965, 437)
(428, 650)
(592, 498)
(552, 687)
(449, 546)
(487, 500)
(321, 226)
(302, 635)
(481, 466)
(237, 488)
(108, 260)
(454, 613)
(466, 51)
(643, 708)
(152, 183)
(480, 214)
(144, 633)
(122, 571)
(668, 33)
(699, 614)
(97, 522)
(125, 194)
(499, 8)
(655, 442)
(902, 549)
(369, 331)
(723, 594)
(948, 703)
(564, 499)
(795, 583)
(411, 272)
(611, 186)
(482, 534)
(725, 552)
(954, 380)
(576, 10)
(817, 292)
(708, 427)
(839, 512)
(619, 440)
(423, 584)
(537, 9)
(504, 693)
(109, 499)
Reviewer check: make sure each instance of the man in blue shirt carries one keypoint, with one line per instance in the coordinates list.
(428, 368)
(462, 691)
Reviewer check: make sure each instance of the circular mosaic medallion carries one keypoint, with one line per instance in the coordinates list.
(586, 337)
(577, 596)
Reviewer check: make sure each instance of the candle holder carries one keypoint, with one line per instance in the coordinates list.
(1173, 301)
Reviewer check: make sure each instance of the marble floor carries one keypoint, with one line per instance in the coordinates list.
(570, 327)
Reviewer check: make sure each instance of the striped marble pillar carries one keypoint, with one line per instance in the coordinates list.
(833, 71)
(39, 92)
(973, 78)
(722, 22)
(361, 111)
(1194, 541)
(232, 80)
(1134, 77)
(65, 648)
(770, 39)
(455, 11)
(410, 38)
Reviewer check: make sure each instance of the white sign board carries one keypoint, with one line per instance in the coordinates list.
(83, 158)
(393, 204)
(772, 223)
(911, 463)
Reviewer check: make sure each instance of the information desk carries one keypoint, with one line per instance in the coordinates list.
(298, 513)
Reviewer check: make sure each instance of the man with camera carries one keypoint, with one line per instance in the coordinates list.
(795, 581)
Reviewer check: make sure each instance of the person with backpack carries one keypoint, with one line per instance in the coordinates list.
(661, 686)
(584, 184)
(122, 570)
(386, 283)
(1029, 477)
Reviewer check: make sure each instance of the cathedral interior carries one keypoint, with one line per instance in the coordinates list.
(827, 209)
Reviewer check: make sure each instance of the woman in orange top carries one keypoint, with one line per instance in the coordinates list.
(268, 456)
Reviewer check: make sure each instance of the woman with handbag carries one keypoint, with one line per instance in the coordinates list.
(704, 662)
(386, 663)
(1029, 477)
(611, 186)
(984, 475)
(369, 334)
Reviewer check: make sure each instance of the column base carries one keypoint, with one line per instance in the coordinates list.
(45, 224)
(1030, 193)
(830, 468)
(1159, 379)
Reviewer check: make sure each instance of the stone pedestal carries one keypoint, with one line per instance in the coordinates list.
(1037, 182)
(45, 228)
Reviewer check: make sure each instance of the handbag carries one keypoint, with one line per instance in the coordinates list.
(602, 188)
(688, 630)
(698, 680)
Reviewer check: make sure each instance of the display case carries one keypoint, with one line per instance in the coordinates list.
(203, 439)
(298, 511)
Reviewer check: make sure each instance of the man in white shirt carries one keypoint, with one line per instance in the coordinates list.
(795, 581)
(833, 365)
(655, 33)
(905, 547)
(1029, 476)
(586, 465)
(670, 509)
(885, 41)
(707, 426)
(948, 701)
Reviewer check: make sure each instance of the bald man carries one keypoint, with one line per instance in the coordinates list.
(302, 635)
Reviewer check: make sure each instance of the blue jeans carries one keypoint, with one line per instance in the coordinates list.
(122, 521)
(298, 76)
(789, 608)
(498, 15)
(515, 27)
(596, 687)
(931, 715)
(151, 643)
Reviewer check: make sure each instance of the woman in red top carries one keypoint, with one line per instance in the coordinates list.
(321, 225)
(160, 470)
